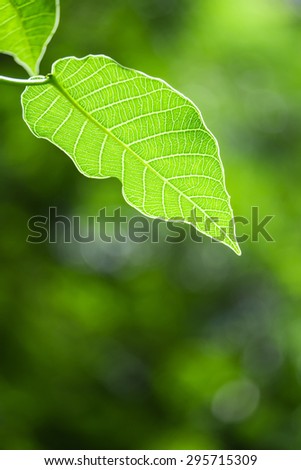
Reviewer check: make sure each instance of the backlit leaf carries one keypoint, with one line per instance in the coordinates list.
(115, 121)
(26, 27)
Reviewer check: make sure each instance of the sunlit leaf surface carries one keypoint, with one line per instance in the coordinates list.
(26, 27)
(115, 121)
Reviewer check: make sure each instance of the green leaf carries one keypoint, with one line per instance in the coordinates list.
(115, 121)
(26, 27)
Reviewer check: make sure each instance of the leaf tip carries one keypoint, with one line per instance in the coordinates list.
(236, 249)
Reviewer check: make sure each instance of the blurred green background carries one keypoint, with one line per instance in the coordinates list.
(160, 346)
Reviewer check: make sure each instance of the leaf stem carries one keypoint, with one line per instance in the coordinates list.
(28, 82)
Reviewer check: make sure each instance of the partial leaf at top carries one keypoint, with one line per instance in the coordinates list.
(115, 121)
(26, 27)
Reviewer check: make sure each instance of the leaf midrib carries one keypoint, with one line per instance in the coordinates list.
(12, 2)
(55, 83)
